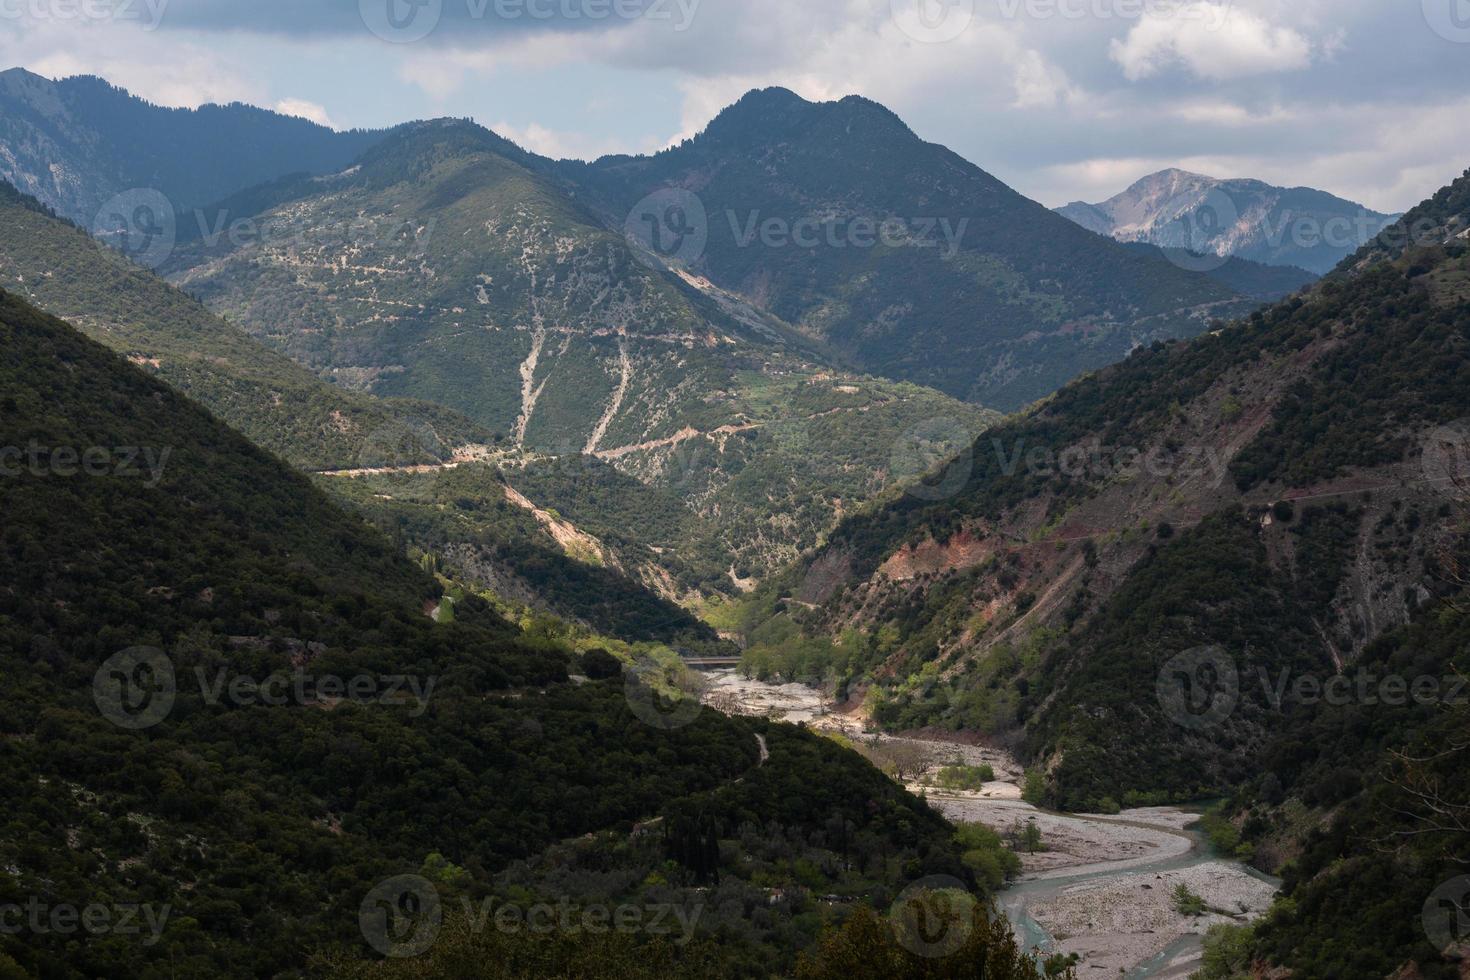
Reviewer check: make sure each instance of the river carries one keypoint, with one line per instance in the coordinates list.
(1104, 886)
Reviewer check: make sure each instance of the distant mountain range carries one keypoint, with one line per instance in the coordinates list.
(1249, 219)
(75, 143)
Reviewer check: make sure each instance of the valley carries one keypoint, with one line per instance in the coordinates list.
(1104, 886)
(490, 501)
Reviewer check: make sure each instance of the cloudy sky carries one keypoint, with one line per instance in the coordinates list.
(1063, 99)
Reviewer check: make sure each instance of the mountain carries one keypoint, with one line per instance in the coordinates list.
(318, 426)
(907, 260)
(76, 143)
(283, 407)
(448, 265)
(229, 712)
(1146, 583)
(1248, 219)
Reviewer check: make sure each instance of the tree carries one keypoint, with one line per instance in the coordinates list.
(600, 665)
(1034, 790)
(1187, 902)
(1227, 953)
(907, 759)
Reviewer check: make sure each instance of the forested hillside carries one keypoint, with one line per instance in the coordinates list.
(1249, 518)
(319, 426)
(195, 568)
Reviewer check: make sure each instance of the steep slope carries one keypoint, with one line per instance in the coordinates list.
(447, 265)
(1444, 219)
(910, 261)
(1276, 490)
(77, 142)
(1364, 814)
(312, 424)
(1249, 219)
(226, 705)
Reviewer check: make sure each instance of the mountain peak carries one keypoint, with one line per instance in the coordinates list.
(413, 146)
(780, 114)
(1178, 173)
(1174, 175)
(20, 83)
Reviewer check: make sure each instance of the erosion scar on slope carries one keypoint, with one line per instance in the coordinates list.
(614, 406)
(530, 392)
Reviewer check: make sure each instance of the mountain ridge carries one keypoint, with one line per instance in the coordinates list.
(76, 142)
(1241, 217)
(1009, 287)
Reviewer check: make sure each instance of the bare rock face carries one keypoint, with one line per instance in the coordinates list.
(1249, 219)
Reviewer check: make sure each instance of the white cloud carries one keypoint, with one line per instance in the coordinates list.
(306, 110)
(1037, 83)
(1213, 41)
(162, 69)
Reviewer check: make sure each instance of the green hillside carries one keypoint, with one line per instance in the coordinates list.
(257, 828)
(281, 406)
(471, 277)
(311, 423)
(1147, 583)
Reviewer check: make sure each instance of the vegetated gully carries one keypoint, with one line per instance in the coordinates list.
(1103, 888)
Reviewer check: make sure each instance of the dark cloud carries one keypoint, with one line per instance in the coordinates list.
(449, 21)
